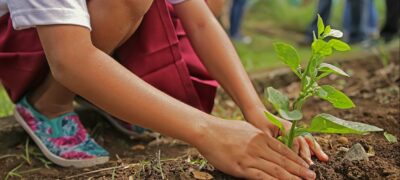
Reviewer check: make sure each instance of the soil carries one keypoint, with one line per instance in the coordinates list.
(373, 87)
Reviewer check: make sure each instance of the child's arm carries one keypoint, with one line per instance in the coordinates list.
(235, 147)
(220, 58)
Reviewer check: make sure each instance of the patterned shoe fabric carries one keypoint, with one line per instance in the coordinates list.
(63, 136)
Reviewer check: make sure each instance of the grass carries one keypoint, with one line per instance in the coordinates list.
(6, 107)
(28, 156)
(266, 23)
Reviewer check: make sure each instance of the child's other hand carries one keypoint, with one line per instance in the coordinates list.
(240, 149)
(306, 146)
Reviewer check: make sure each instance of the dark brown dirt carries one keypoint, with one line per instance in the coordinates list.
(373, 88)
(383, 165)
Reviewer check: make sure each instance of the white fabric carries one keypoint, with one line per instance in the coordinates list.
(176, 1)
(30, 13)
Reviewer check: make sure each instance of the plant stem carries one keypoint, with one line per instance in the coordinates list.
(291, 134)
(296, 106)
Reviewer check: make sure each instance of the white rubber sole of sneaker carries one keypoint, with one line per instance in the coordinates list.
(54, 158)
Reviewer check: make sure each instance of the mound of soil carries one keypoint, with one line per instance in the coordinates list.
(373, 88)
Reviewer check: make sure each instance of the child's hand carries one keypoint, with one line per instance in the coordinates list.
(240, 149)
(303, 146)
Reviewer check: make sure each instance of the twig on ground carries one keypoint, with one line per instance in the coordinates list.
(159, 164)
(113, 174)
(14, 172)
(30, 170)
(141, 164)
(8, 156)
(104, 169)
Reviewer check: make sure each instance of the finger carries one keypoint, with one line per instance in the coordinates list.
(316, 148)
(296, 146)
(274, 170)
(253, 173)
(305, 150)
(287, 164)
(285, 151)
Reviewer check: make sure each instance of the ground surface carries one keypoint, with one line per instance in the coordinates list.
(374, 89)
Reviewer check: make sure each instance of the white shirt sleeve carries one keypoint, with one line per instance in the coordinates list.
(30, 13)
(176, 1)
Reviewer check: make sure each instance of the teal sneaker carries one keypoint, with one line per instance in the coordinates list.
(63, 140)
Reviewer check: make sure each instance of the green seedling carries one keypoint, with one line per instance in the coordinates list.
(14, 172)
(309, 77)
(158, 167)
(113, 174)
(390, 137)
(26, 156)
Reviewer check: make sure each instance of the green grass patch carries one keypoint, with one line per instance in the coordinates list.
(269, 21)
(6, 107)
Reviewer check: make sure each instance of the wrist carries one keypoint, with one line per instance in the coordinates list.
(251, 105)
(197, 134)
(256, 116)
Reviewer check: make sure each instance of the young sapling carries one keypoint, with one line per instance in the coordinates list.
(309, 77)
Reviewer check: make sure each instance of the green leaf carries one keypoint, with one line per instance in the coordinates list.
(274, 120)
(335, 97)
(281, 104)
(288, 55)
(321, 48)
(326, 123)
(390, 137)
(339, 45)
(321, 26)
(290, 115)
(312, 69)
(329, 68)
(282, 139)
(326, 31)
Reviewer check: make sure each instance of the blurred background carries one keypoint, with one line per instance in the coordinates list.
(254, 25)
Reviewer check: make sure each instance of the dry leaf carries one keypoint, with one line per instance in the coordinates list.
(138, 147)
(202, 175)
(371, 151)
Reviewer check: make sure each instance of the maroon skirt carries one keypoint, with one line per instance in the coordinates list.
(159, 52)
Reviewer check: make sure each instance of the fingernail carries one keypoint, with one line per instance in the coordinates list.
(326, 156)
(311, 174)
(311, 162)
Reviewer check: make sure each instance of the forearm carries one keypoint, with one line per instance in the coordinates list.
(96, 76)
(218, 55)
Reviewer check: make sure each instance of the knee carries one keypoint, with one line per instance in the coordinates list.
(137, 8)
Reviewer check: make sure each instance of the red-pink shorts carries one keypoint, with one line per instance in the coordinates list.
(159, 52)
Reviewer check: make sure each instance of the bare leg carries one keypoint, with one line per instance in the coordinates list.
(113, 22)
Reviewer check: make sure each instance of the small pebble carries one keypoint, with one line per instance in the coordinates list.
(356, 153)
(343, 140)
(343, 149)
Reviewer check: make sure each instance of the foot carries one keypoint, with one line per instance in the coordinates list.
(63, 139)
